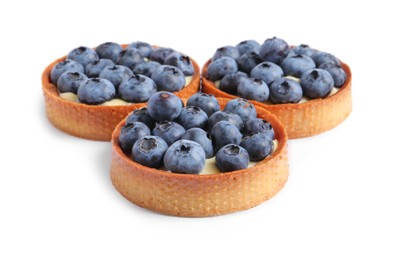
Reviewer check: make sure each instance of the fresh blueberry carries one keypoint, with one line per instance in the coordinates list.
(254, 89)
(285, 90)
(83, 55)
(141, 115)
(258, 146)
(274, 50)
(130, 133)
(248, 61)
(219, 68)
(137, 88)
(317, 83)
(248, 46)
(206, 102)
(168, 78)
(160, 54)
(109, 50)
(229, 83)
(267, 71)
(241, 107)
(169, 131)
(324, 57)
(164, 106)
(146, 68)
(232, 157)
(116, 74)
(201, 137)
(224, 133)
(70, 81)
(64, 66)
(130, 57)
(94, 69)
(224, 116)
(296, 65)
(304, 49)
(192, 116)
(95, 91)
(185, 156)
(149, 151)
(258, 125)
(183, 62)
(338, 74)
(226, 51)
(143, 47)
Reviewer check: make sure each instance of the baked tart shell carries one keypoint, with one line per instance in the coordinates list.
(94, 122)
(201, 195)
(303, 119)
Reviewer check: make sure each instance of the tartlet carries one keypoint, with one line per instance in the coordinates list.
(94, 122)
(302, 119)
(201, 195)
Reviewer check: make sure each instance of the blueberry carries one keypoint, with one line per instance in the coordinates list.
(254, 89)
(232, 157)
(224, 116)
(304, 49)
(206, 102)
(267, 71)
(219, 68)
(116, 74)
(224, 133)
(70, 81)
(274, 50)
(164, 106)
(183, 62)
(169, 131)
(248, 61)
(109, 50)
(229, 83)
(317, 83)
(95, 91)
(143, 47)
(248, 46)
(130, 133)
(201, 137)
(130, 57)
(324, 57)
(296, 65)
(185, 156)
(137, 88)
(149, 151)
(146, 68)
(64, 66)
(242, 107)
(285, 90)
(338, 74)
(141, 115)
(83, 55)
(160, 54)
(258, 125)
(192, 116)
(168, 78)
(226, 51)
(94, 69)
(258, 146)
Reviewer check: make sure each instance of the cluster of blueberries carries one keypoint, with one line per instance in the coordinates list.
(258, 72)
(180, 138)
(133, 74)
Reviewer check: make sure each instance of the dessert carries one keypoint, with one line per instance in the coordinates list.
(116, 79)
(307, 89)
(196, 177)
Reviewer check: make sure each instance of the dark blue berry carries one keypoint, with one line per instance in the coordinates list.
(94, 69)
(324, 57)
(217, 69)
(258, 125)
(258, 146)
(164, 106)
(224, 133)
(229, 83)
(248, 61)
(95, 91)
(296, 65)
(146, 68)
(206, 102)
(248, 46)
(254, 89)
(83, 55)
(160, 54)
(141, 115)
(64, 66)
(149, 151)
(130, 133)
(317, 83)
(130, 57)
(232, 157)
(304, 49)
(182, 62)
(274, 50)
(338, 74)
(116, 74)
(201, 137)
(169, 131)
(267, 71)
(137, 88)
(192, 116)
(143, 47)
(109, 50)
(224, 116)
(168, 78)
(226, 51)
(285, 90)
(241, 107)
(70, 81)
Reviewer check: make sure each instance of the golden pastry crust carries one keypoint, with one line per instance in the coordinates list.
(92, 121)
(304, 119)
(201, 195)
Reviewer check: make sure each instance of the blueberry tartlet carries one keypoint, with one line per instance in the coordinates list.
(307, 89)
(200, 156)
(88, 91)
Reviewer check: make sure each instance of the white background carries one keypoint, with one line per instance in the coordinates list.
(56, 198)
